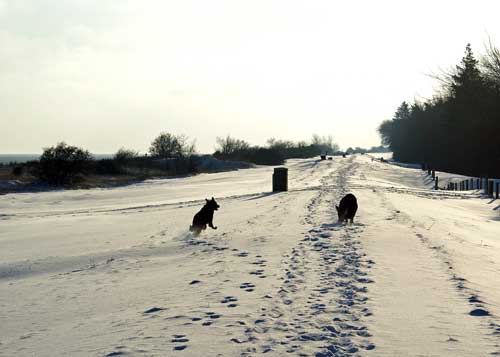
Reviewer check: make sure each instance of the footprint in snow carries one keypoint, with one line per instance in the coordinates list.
(154, 309)
(247, 286)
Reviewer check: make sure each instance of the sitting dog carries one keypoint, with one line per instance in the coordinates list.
(204, 216)
(347, 208)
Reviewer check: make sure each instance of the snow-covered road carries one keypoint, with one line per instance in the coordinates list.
(115, 271)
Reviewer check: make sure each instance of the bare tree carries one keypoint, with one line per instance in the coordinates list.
(228, 145)
(490, 64)
(168, 145)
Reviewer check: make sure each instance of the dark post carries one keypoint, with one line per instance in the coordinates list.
(280, 179)
(490, 188)
(456, 186)
(467, 185)
(433, 174)
(471, 184)
(428, 170)
(436, 183)
(477, 184)
(497, 189)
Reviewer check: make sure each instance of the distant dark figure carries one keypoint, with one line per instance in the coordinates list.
(343, 155)
(204, 216)
(347, 208)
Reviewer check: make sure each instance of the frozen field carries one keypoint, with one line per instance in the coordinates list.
(110, 272)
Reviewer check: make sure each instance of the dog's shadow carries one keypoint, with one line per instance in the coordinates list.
(340, 225)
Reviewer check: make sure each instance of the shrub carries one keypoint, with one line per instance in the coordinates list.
(18, 171)
(107, 167)
(63, 164)
(124, 155)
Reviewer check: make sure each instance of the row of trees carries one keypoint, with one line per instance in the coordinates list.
(169, 154)
(457, 130)
(275, 152)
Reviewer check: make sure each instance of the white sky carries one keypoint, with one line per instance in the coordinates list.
(106, 74)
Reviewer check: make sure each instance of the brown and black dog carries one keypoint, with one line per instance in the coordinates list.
(204, 216)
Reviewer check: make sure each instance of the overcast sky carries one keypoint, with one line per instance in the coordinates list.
(106, 74)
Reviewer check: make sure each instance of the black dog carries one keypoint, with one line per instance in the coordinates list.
(204, 216)
(347, 208)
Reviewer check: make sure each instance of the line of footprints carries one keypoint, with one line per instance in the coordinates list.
(229, 301)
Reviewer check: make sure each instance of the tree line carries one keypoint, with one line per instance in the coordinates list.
(169, 154)
(457, 129)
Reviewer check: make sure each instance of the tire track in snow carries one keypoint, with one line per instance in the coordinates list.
(438, 252)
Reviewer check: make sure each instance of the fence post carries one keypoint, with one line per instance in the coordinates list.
(436, 183)
(497, 189)
(433, 174)
(466, 185)
(280, 179)
(490, 188)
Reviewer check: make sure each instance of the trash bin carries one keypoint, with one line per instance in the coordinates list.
(280, 179)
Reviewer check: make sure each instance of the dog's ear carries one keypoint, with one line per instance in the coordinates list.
(213, 199)
(336, 207)
(206, 199)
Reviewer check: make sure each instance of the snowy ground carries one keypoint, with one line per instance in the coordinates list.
(115, 271)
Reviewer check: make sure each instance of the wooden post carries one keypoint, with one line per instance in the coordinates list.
(280, 179)
(490, 188)
(477, 184)
(466, 185)
(471, 184)
(433, 174)
(428, 170)
(436, 183)
(497, 189)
